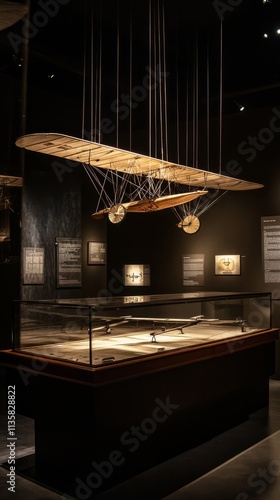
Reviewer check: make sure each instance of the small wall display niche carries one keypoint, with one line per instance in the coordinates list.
(137, 275)
(227, 264)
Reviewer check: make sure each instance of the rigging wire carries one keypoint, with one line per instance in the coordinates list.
(129, 185)
(140, 186)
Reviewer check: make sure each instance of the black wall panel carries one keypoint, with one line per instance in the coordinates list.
(51, 208)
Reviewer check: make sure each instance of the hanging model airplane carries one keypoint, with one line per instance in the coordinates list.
(126, 162)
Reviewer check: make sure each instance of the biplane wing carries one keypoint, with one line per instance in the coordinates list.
(111, 158)
(160, 203)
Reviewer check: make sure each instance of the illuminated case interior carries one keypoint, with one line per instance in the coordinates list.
(100, 331)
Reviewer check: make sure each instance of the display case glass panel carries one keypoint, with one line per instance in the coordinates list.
(98, 331)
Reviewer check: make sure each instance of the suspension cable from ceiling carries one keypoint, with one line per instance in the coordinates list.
(187, 105)
(165, 83)
(196, 99)
(221, 98)
(193, 111)
(84, 75)
(150, 87)
(118, 74)
(155, 89)
(91, 77)
(93, 56)
(100, 75)
(130, 79)
(160, 86)
(157, 119)
(177, 102)
(208, 104)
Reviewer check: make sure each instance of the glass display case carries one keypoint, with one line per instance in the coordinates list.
(99, 331)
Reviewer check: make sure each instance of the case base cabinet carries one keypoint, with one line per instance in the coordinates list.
(91, 435)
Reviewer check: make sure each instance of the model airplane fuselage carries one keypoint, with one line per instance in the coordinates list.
(117, 212)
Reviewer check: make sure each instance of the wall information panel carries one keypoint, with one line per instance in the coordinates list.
(193, 269)
(271, 248)
(69, 262)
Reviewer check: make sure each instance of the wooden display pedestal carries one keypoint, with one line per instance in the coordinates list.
(96, 427)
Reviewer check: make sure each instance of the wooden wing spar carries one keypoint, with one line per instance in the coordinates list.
(111, 158)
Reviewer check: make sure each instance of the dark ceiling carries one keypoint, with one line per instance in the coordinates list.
(77, 45)
(56, 37)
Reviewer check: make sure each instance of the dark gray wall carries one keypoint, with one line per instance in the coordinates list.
(51, 208)
(231, 226)
(54, 207)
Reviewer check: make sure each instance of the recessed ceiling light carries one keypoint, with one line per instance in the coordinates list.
(265, 35)
(239, 106)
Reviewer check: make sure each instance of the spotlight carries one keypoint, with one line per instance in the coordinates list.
(265, 35)
(278, 31)
(239, 106)
(17, 60)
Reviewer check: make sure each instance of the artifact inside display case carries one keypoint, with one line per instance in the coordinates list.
(98, 331)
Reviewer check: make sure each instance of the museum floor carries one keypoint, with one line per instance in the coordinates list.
(241, 464)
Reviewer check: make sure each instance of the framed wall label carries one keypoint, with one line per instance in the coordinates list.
(271, 249)
(227, 264)
(136, 275)
(68, 262)
(96, 252)
(193, 269)
(33, 266)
